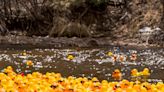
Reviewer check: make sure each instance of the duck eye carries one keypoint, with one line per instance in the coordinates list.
(144, 86)
(60, 81)
(116, 86)
(95, 81)
(71, 89)
(16, 83)
(53, 86)
(96, 86)
(147, 88)
(82, 82)
(126, 84)
(5, 73)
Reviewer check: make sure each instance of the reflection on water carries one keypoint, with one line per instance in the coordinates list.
(85, 62)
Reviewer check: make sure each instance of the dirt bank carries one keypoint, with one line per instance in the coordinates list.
(111, 22)
(20, 42)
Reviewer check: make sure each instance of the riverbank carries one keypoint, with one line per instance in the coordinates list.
(67, 18)
(12, 41)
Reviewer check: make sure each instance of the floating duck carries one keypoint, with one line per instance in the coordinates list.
(133, 56)
(124, 84)
(110, 53)
(94, 79)
(117, 75)
(29, 63)
(114, 57)
(145, 72)
(23, 55)
(135, 73)
(122, 58)
(70, 57)
(9, 69)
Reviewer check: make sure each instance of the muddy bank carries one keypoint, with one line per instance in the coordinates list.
(65, 42)
(115, 22)
(108, 18)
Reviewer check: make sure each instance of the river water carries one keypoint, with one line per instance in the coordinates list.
(87, 62)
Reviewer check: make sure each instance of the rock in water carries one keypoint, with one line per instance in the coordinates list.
(150, 35)
(157, 37)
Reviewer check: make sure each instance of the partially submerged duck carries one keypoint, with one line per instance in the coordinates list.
(133, 56)
(70, 57)
(117, 75)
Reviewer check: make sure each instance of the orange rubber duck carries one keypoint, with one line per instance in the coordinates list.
(122, 58)
(117, 75)
(29, 63)
(114, 58)
(135, 73)
(133, 56)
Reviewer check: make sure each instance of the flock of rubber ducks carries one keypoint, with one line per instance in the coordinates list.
(54, 82)
(122, 57)
(117, 75)
(70, 57)
(10, 81)
(145, 72)
(115, 57)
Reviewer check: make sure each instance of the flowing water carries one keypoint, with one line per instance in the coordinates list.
(87, 62)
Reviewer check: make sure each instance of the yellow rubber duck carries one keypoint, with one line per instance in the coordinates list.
(70, 57)
(9, 69)
(135, 73)
(124, 84)
(145, 72)
(105, 82)
(24, 53)
(131, 89)
(29, 63)
(117, 75)
(160, 85)
(136, 87)
(94, 79)
(119, 90)
(110, 53)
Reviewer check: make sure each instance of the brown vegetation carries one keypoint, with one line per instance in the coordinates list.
(81, 18)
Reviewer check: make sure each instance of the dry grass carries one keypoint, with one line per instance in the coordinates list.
(143, 15)
(63, 27)
(57, 18)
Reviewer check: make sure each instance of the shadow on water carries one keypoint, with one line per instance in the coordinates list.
(88, 62)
